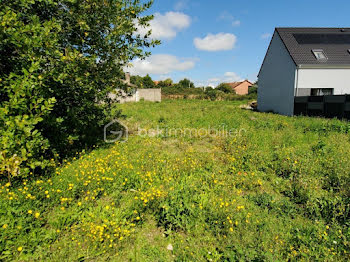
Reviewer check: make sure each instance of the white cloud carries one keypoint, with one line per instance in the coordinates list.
(213, 80)
(166, 26)
(225, 16)
(229, 17)
(181, 5)
(266, 36)
(160, 64)
(236, 23)
(218, 42)
(231, 77)
(228, 77)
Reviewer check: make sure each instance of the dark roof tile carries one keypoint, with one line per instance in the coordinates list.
(337, 53)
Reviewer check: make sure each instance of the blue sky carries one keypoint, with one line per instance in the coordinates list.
(213, 41)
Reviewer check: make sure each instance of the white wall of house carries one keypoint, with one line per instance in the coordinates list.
(277, 80)
(338, 79)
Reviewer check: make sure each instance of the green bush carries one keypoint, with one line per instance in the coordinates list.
(253, 90)
(213, 94)
(23, 146)
(59, 60)
(185, 83)
(226, 88)
(176, 90)
(143, 82)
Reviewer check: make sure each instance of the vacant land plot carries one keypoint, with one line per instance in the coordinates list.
(183, 188)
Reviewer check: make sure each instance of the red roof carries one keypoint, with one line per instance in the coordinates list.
(235, 84)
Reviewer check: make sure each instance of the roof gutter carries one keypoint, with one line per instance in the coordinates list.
(323, 66)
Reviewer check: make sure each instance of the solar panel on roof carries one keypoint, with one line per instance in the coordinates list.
(339, 39)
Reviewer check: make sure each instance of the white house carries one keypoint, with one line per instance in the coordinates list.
(303, 62)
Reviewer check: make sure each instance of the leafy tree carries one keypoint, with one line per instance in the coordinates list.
(59, 59)
(168, 82)
(143, 82)
(136, 80)
(165, 83)
(147, 82)
(185, 83)
(226, 88)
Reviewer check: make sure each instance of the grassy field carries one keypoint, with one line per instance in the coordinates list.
(276, 189)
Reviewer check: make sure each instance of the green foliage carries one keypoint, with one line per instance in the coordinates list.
(165, 83)
(185, 83)
(147, 82)
(226, 88)
(23, 147)
(136, 80)
(174, 90)
(208, 93)
(253, 90)
(213, 94)
(58, 62)
(143, 82)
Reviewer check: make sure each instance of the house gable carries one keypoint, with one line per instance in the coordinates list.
(277, 79)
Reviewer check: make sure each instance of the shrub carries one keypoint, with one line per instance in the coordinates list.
(181, 91)
(57, 66)
(165, 83)
(226, 88)
(253, 90)
(23, 146)
(147, 82)
(212, 94)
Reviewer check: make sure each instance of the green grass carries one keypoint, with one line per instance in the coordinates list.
(279, 191)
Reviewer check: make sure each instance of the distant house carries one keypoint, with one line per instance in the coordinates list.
(241, 88)
(304, 62)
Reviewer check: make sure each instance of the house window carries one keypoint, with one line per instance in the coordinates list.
(321, 91)
(320, 55)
